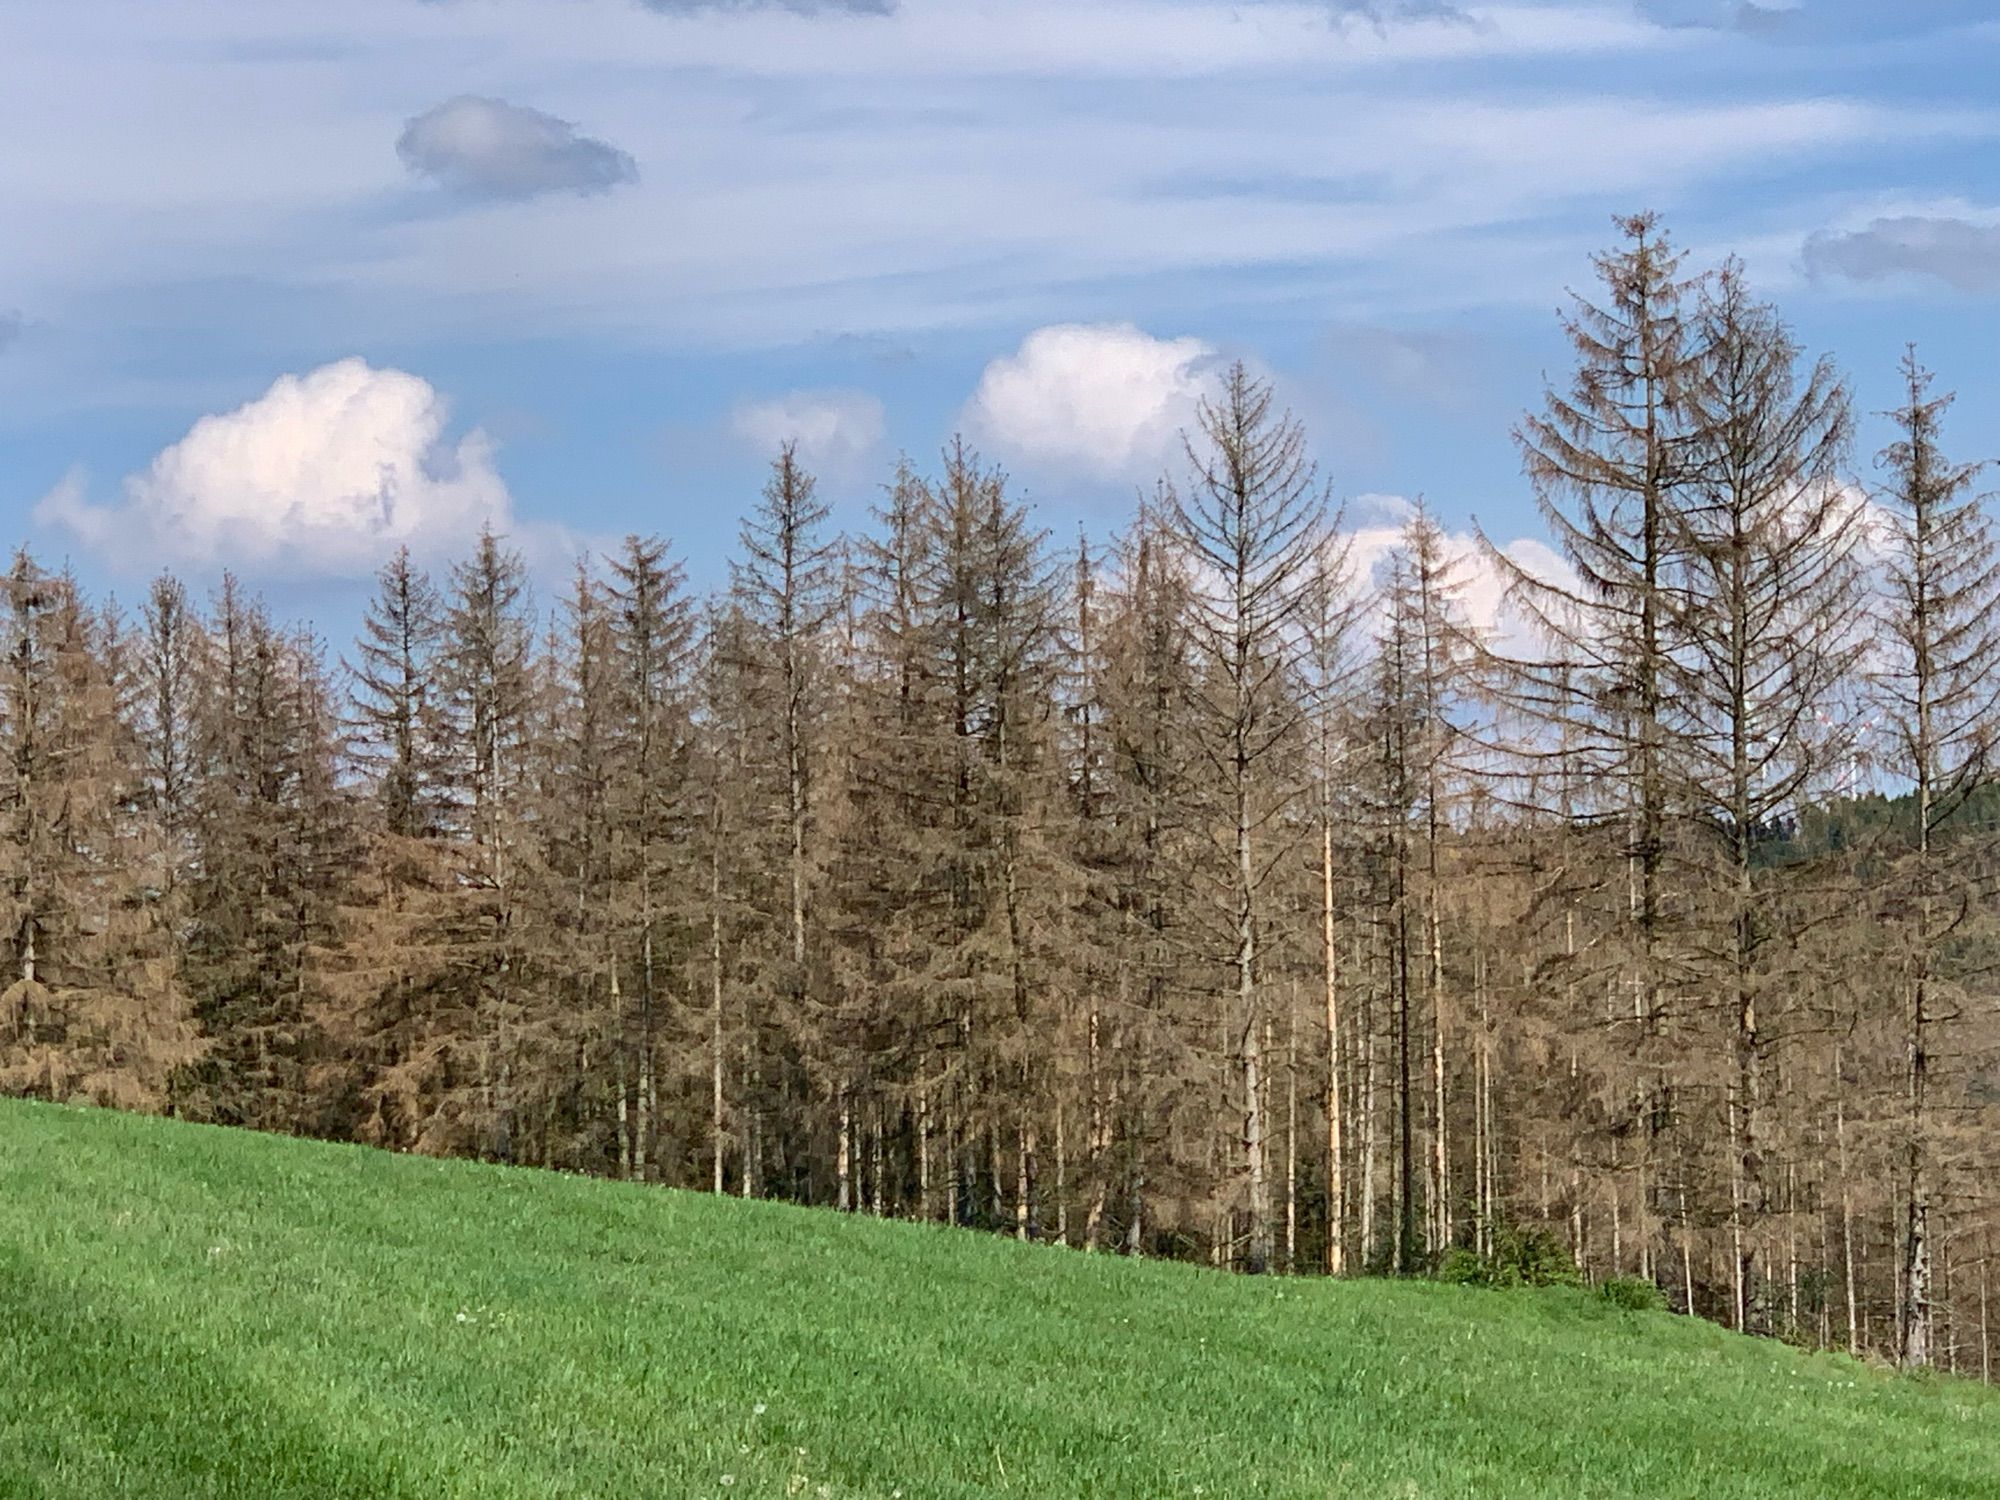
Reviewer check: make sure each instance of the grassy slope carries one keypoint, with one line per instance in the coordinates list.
(191, 1312)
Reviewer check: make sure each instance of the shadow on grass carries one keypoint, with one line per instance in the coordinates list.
(99, 1405)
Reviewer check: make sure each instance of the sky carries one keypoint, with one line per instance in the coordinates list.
(286, 285)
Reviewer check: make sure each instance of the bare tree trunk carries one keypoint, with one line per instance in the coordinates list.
(1985, 1323)
(923, 1154)
(1292, 1134)
(1336, 1179)
(844, 1156)
(1483, 1112)
(1738, 1263)
(717, 1123)
(1687, 1253)
(1023, 1155)
(1617, 1211)
(1846, 1208)
(958, 1175)
(628, 1143)
(1093, 1219)
(994, 1170)
(1135, 1227)
(1365, 1055)
(1249, 1018)
(1062, 1179)
(1916, 1307)
(1791, 1249)
(1441, 1225)
(877, 1164)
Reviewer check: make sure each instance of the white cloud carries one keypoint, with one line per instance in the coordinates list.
(1481, 584)
(492, 149)
(322, 475)
(1102, 399)
(835, 430)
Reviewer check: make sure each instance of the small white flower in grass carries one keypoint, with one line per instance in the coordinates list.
(728, 1480)
(759, 1409)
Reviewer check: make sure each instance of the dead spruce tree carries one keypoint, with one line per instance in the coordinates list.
(653, 907)
(786, 596)
(1936, 676)
(92, 1007)
(1328, 682)
(1766, 604)
(1253, 522)
(1148, 676)
(490, 680)
(1608, 457)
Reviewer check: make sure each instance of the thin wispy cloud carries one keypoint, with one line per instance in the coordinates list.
(1751, 17)
(797, 7)
(1958, 252)
(1384, 12)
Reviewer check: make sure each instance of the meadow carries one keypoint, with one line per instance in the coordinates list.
(188, 1311)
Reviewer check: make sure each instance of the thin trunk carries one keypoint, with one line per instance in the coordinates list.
(1336, 1179)
(1985, 1324)
(1292, 1134)
(1846, 1209)
(1687, 1255)
(844, 1157)
(923, 1154)
(1739, 1264)
(1023, 1158)
(1365, 1054)
(877, 1165)
(1062, 1179)
(717, 1123)
(1093, 1219)
(1406, 1165)
(1247, 1008)
(1441, 1217)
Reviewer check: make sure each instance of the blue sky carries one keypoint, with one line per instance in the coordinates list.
(283, 284)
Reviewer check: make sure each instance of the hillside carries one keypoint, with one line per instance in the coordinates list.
(188, 1311)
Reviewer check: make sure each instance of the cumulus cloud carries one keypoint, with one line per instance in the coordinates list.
(1102, 399)
(489, 148)
(322, 475)
(835, 430)
(1958, 252)
(1376, 525)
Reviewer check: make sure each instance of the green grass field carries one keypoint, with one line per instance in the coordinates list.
(187, 1311)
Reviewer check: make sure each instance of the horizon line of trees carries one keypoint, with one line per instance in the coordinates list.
(1190, 894)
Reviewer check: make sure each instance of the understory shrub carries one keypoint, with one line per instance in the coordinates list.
(1521, 1257)
(1633, 1294)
